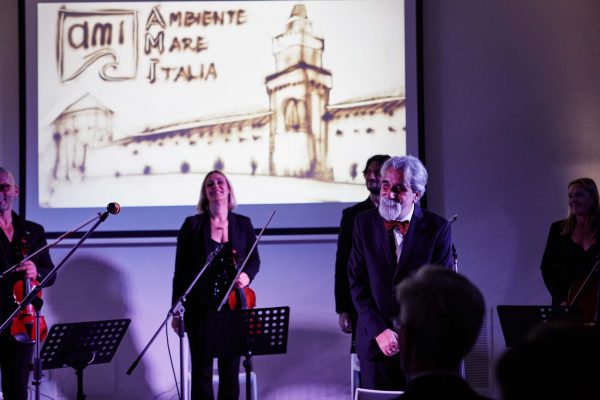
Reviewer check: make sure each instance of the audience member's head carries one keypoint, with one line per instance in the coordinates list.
(440, 316)
(555, 361)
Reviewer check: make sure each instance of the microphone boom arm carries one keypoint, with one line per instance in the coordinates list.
(35, 290)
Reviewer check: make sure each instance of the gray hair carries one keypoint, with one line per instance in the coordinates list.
(10, 175)
(441, 313)
(418, 173)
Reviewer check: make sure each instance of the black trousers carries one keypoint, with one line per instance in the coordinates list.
(202, 368)
(384, 373)
(15, 366)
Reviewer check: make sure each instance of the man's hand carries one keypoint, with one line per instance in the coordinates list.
(345, 322)
(388, 342)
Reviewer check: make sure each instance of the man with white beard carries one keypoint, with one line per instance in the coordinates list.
(389, 244)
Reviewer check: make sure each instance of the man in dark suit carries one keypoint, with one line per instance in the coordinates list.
(343, 300)
(18, 237)
(439, 319)
(390, 243)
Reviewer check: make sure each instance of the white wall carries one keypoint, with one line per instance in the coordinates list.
(122, 279)
(512, 114)
(512, 100)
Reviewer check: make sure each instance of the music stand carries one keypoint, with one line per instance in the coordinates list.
(80, 344)
(517, 321)
(257, 331)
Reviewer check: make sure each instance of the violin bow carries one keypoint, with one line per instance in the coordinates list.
(241, 269)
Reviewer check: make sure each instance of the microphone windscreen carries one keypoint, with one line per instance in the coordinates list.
(113, 208)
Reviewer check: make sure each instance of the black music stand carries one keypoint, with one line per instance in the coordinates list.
(517, 321)
(80, 344)
(257, 331)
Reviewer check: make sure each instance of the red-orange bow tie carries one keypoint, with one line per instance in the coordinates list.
(402, 226)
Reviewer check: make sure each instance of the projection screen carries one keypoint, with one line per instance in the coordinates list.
(134, 102)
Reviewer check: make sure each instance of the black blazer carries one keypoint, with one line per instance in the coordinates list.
(374, 272)
(564, 262)
(343, 299)
(192, 245)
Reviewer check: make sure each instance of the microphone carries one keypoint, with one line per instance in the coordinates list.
(453, 218)
(113, 208)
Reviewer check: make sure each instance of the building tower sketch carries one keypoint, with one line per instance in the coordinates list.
(298, 94)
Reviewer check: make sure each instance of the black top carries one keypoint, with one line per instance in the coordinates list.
(221, 273)
(564, 262)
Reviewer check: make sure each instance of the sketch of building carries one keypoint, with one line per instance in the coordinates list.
(299, 135)
(81, 127)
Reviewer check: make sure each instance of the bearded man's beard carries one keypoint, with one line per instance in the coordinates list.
(389, 209)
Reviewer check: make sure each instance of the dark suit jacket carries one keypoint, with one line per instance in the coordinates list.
(374, 272)
(192, 244)
(10, 254)
(439, 387)
(343, 299)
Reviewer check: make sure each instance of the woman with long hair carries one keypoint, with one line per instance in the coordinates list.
(572, 248)
(214, 225)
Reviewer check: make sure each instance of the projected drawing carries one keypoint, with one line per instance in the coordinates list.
(297, 138)
(86, 37)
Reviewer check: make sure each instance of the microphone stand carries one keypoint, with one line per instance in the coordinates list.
(455, 258)
(455, 269)
(454, 254)
(179, 310)
(37, 364)
(48, 246)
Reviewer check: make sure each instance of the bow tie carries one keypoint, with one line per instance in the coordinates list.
(402, 226)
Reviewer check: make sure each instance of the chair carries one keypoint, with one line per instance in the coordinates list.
(371, 394)
(242, 379)
(215, 378)
(354, 374)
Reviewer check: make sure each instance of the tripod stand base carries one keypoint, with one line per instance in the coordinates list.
(79, 373)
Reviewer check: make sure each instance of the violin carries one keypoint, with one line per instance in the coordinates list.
(240, 298)
(23, 327)
(584, 294)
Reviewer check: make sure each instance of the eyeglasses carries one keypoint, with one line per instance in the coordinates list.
(5, 187)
